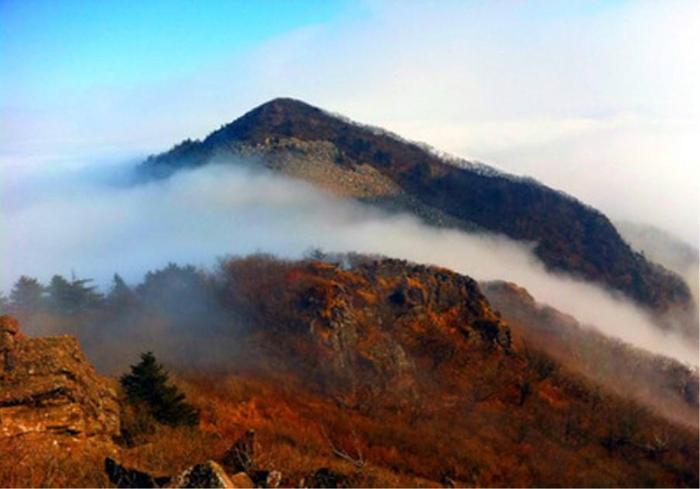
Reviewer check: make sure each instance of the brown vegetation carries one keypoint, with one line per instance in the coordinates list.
(391, 374)
(660, 383)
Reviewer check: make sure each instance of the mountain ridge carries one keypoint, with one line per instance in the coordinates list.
(405, 370)
(287, 134)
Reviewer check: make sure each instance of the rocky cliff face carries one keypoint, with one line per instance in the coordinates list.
(378, 327)
(356, 161)
(49, 390)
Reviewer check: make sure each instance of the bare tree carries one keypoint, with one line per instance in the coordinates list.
(357, 460)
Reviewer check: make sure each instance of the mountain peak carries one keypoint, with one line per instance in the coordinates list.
(303, 141)
(282, 117)
(280, 108)
(284, 104)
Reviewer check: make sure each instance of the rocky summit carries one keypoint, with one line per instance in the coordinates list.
(49, 391)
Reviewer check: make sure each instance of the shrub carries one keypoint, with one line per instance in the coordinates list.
(148, 383)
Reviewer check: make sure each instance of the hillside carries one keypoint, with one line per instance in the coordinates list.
(376, 167)
(419, 349)
(377, 371)
(662, 384)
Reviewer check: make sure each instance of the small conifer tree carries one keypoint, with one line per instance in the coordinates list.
(149, 384)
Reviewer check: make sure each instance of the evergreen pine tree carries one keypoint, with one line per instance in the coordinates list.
(27, 295)
(86, 295)
(148, 383)
(60, 295)
(72, 297)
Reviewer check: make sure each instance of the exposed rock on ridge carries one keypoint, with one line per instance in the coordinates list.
(48, 389)
(373, 328)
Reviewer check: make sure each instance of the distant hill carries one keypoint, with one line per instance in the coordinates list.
(372, 165)
(664, 248)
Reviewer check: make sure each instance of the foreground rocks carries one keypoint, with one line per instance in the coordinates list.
(49, 390)
(211, 474)
(122, 476)
(205, 475)
(239, 470)
(240, 457)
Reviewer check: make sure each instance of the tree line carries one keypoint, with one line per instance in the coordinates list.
(78, 296)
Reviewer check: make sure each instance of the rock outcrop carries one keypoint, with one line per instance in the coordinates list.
(374, 328)
(211, 474)
(126, 477)
(205, 475)
(241, 456)
(48, 389)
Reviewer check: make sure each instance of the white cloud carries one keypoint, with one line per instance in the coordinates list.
(596, 99)
(97, 229)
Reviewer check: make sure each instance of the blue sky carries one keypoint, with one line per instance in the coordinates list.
(578, 94)
(49, 47)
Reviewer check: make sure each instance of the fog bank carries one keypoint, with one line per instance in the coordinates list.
(93, 227)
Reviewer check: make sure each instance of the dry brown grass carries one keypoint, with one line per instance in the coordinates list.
(294, 430)
(488, 443)
(548, 440)
(27, 463)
